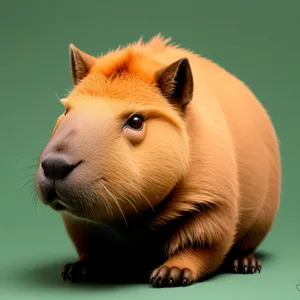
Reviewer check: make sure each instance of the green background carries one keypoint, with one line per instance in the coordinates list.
(258, 41)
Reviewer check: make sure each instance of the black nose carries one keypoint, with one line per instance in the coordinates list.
(57, 167)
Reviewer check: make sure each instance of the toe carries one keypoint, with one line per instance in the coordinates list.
(174, 276)
(253, 265)
(245, 265)
(187, 277)
(153, 275)
(65, 271)
(161, 277)
(258, 265)
(235, 266)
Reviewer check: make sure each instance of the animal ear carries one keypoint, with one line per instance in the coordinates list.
(176, 82)
(81, 64)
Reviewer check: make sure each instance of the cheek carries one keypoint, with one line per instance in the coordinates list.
(115, 162)
(163, 159)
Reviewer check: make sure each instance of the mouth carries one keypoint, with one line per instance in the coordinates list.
(59, 205)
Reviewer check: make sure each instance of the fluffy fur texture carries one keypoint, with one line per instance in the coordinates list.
(200, 182)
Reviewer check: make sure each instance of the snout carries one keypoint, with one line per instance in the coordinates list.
(52, 177)
(57, 166)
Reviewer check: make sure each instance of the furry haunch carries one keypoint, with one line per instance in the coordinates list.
(164, 166)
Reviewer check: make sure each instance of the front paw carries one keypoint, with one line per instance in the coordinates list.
(171, 277)
(75, 272)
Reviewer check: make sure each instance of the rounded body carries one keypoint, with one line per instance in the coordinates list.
(204, 175)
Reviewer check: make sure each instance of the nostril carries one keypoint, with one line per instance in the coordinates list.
(57, 167)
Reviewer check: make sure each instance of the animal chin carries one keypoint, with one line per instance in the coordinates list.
(59, 204)
(70, 203)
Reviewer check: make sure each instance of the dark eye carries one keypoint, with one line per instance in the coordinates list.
(135, 122)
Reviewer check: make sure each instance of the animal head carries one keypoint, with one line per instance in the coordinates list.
(121, 144)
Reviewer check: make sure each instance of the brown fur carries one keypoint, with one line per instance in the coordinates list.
(202, 179)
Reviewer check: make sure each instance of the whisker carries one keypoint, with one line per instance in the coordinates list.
(27, 167)
(26, 157)
(84, 207)
(116, 202)
(129, 200)
(36, 200)
(106, 204)
(31, 176)
(92, 210)
(92, 200)
(25, 184)
(34, 197)
(32, 193)
(89, 208)
(142, 195)
(30, 180)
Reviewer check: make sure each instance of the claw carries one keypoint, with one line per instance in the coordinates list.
(159, 281)
(65, 271)
(184, 281)
(171, 281)
(69, 275)
(63, 275)
(259, 268)
(245, 269)
(153, 282)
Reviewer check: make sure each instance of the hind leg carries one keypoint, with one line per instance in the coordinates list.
(241, 259)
